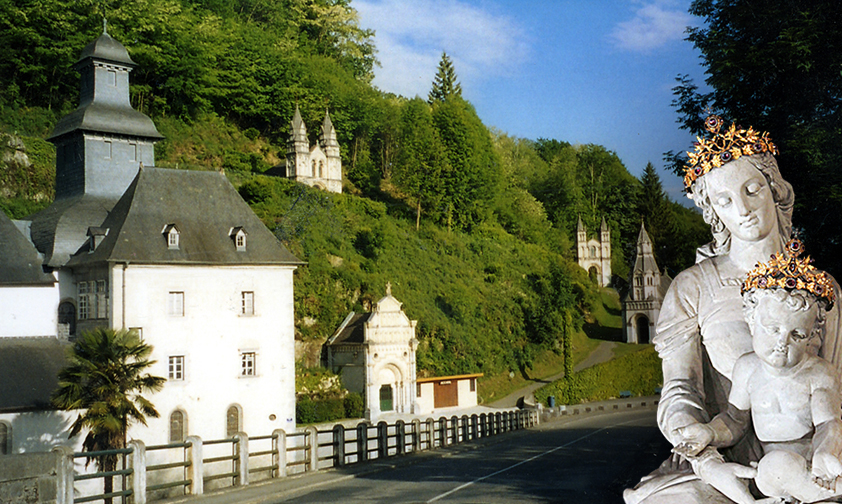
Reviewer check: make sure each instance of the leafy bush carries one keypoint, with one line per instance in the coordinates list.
(354, 405)
(308, 411)
(639, 372)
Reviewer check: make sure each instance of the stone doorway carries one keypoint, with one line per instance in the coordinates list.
(386, 400)
(642, 329)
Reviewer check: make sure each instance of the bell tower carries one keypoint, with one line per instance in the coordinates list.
(101, 145)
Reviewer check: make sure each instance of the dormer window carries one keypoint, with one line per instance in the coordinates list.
(238, 234)
(95, 237)
(172, 234)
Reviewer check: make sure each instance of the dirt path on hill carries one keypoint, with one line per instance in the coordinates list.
(604, 352)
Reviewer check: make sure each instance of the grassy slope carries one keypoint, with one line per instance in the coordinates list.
(468, 291)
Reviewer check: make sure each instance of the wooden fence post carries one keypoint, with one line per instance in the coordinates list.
(194, 470)
(138, 464)
(241, 450)
(313, 461)
(382, 439)
(280, 438)
(338, 445)
(400, 437)
(362, 442)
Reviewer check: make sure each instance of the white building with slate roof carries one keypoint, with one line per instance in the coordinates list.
(176, 255)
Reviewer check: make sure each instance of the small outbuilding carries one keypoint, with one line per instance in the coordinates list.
(440, 392)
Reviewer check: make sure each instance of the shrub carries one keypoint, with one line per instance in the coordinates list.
(354, 405)
(308, 411)
(639, 372)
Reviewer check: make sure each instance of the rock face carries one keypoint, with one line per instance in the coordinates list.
(13, 159)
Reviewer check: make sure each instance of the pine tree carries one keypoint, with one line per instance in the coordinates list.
(445, 85)
(655, 208)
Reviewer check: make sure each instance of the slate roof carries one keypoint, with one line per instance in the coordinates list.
(107, 118)
(204, 207)
(20, 262)
(644, 262)
(105, 48)
(60, 229)
(29, 372)
(351, 331)
(118, 118)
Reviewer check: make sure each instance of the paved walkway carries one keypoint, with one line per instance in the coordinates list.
(603, 353)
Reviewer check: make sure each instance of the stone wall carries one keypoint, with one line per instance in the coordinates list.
(28, 478)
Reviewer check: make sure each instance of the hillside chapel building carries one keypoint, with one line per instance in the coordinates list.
(318, 165)
(594, 253)
(176, 255)
(647, 287)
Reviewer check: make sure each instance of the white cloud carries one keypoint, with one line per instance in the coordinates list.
(654, 25)
(410, 36)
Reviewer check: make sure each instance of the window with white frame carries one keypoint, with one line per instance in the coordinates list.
(176, 367)
(175, 306)
(82, 300)
(248, 364)
(101, 299)
(247, 303)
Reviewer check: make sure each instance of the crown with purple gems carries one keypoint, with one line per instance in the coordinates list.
(723, 147)
(786, 270)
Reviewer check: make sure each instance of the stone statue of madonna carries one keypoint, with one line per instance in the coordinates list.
(701, 331)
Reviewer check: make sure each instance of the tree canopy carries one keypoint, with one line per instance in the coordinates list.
(778, 68)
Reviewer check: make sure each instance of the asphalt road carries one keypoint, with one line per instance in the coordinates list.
(581, 461)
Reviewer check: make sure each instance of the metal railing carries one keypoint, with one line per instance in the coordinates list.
(183, 468)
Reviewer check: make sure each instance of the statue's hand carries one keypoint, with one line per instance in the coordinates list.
(826, 469)
(693, 439)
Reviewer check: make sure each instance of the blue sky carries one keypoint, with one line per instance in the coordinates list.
(588, 71)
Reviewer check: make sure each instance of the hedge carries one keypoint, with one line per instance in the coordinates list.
(308, 411)
(639, 373)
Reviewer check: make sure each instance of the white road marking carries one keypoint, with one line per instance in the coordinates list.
(530, 459)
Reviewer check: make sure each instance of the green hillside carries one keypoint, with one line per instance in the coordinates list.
(473, 228)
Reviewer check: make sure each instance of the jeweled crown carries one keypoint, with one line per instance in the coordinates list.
(786, 270)
(723, 147)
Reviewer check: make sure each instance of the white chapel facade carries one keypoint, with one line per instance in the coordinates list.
(319, 165)
(594, 253)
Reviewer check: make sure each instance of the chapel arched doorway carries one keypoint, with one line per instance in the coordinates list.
(642, 328)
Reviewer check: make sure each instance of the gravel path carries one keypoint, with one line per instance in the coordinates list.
(604, 352)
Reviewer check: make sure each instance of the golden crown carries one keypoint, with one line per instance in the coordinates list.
(721, 148)
(786, 270)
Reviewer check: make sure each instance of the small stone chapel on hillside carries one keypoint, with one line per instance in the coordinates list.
(594, 253)
(375, 355)
(647, 287)
(318, 165)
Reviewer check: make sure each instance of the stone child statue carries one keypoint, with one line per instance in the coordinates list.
(791, 396)
(702, 332)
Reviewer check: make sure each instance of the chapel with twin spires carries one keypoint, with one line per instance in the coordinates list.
(318, 165)
(594, 253)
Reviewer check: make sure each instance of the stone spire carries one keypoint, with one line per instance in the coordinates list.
(646, 277)
(99, 145)
(327, 137)
(298, 146)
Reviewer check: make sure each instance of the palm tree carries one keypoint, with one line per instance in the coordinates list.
(105, 379)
